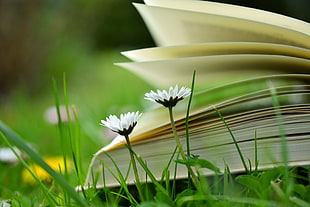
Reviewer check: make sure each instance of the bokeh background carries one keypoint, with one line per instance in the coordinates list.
(41, 40)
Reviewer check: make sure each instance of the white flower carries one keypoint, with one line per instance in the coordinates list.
(168, 98)
(5, 204)
(123, 125)
(8, 156)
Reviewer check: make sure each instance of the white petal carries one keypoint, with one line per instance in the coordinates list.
(175, 92)
(8, 156)
(184, 92)
(172, 93)
(123, 123)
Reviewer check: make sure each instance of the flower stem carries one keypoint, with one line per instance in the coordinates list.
(177, 140)
(135, 170)
(179, 145)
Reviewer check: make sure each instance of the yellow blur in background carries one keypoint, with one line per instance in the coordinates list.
(56, 163)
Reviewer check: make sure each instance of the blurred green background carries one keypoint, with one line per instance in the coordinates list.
(43, 39)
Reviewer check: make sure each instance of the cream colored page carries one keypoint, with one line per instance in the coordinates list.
(158, 161)
(214, 69)
(206, 49)
(214, 143)
(177, 27)
(235, 11)
(154, 121)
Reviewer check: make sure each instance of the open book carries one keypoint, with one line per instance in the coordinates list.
(242, 53)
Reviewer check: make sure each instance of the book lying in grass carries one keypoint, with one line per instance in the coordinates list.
(239, 53)
(247, 108)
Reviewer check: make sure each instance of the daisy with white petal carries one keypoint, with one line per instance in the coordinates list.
(7, 155)
(168, 98)
(5, 204)
(124, 126)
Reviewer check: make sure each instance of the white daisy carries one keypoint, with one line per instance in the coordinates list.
(5, 204)
(8, 156)
(123, 125)
(168, 98)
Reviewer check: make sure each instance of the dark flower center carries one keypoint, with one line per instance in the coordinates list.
(171, 102)
(127, 131)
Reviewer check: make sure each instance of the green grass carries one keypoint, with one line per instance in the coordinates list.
(254, 188)
(93, 96)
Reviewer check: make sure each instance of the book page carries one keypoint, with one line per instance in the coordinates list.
(157, 119)
(235, 11)
(214, 70)
(222, 48)
(174, 27)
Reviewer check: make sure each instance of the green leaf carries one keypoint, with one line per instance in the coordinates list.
(300, 202)
(250, 182)
(300, 189)
(186, 192)
(162, 198)
(267, 176)
(153, 204)
(202, 163)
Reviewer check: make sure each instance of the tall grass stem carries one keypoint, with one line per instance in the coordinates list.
(179, 145)
(186, 123)
(18, 141)
(135, 170)
(234, 139)
(51, 199)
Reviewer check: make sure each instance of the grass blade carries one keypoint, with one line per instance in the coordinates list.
(21, 160)
(150, 174)
(18, 141)
(186, 124)
(234, 139)
(120, 178)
